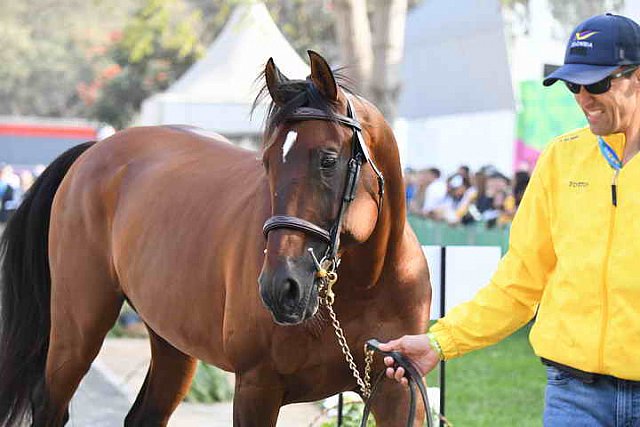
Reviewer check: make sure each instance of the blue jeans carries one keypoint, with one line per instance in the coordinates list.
(607, 402)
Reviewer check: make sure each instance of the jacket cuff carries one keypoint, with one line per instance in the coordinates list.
(447, 344)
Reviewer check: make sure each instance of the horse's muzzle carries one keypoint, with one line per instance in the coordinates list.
(288, 291)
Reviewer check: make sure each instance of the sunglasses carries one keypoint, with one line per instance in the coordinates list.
(601, 86)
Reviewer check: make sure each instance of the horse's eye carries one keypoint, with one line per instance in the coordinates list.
(328, 162)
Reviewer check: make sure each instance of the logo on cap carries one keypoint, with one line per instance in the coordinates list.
(579, 45)
(583, 35)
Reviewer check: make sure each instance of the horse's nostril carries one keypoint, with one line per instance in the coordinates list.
(290, 292)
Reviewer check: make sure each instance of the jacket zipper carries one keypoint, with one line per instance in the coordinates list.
(605, 272)
(614, 188)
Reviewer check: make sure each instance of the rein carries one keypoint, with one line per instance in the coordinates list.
(412, 375)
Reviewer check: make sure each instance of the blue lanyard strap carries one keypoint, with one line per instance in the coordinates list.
(609, 154)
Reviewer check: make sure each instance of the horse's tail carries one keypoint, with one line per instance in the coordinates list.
(25, 293)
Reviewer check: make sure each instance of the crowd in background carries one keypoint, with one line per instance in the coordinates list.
(14, 183)
(486, 196)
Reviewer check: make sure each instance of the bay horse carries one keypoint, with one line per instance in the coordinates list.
(172, 221)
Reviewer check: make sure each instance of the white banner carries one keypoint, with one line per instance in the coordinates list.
(467, 269)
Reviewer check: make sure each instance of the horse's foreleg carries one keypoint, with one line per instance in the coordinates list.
(390, 405)
(256, 403)
(167, 382)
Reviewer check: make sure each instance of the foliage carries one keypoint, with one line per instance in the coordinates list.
(351, 416)
(158, 44)
(46, 49)
(209, 385)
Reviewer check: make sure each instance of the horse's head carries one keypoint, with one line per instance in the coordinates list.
(324, 197)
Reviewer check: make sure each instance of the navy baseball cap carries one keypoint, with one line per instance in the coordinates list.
(596, 48)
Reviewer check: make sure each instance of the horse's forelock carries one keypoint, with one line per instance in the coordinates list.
(298, 93)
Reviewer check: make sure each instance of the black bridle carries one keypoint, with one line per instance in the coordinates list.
(359, 154)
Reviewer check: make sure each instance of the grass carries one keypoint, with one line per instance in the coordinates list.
(502, 385)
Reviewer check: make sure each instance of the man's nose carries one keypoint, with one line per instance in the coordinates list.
(583, 97)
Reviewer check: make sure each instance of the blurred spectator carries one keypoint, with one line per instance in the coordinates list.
(460, 196)
(9, 192)
(512, 201)
(484, 201)
(520, 182)
(465, 172)
(410, 184)
(487, 197)
(435, 192)
(420, 181)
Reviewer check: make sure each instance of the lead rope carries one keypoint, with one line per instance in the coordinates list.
(327, 277)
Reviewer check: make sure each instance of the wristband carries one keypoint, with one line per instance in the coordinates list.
(435, 345)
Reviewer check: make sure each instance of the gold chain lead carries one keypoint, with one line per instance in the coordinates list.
(327, 297)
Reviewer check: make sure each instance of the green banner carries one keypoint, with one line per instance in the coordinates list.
(546, 112)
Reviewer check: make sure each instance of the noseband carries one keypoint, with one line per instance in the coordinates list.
(359, 154)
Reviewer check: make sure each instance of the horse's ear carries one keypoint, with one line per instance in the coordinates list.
(322, 76)
(275, 79)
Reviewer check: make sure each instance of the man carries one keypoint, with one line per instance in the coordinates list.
(574, 255)
(435, 193)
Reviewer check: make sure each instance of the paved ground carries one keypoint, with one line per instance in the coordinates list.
(106, 393)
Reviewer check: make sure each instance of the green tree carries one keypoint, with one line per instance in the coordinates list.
(46, 51)
(158, 43)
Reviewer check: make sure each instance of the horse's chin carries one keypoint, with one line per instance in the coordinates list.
(292, 319)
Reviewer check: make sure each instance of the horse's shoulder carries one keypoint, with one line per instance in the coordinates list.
(413, 263)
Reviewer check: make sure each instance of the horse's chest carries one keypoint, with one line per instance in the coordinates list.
(293, 352)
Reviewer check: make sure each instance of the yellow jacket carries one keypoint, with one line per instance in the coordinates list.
(573, 258)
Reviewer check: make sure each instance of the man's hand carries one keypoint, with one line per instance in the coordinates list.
(415, 347)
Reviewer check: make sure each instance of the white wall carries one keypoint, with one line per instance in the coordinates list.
(446, 142)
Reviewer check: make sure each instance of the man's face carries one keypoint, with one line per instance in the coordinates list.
(615, 110)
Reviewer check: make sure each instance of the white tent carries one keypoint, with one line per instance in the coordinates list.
(457, 104)
(217, 92)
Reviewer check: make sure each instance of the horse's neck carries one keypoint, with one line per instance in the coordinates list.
(367, 263)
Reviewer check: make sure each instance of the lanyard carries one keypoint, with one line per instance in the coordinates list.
(616, 164)
(609, 154)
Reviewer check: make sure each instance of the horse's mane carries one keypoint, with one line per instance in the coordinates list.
(297, 93)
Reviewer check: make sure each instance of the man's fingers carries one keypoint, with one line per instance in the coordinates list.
(399, 374)
(388, 360)
(390, 372)
(389, 346)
